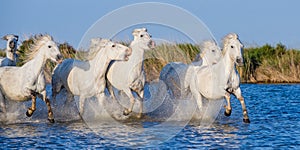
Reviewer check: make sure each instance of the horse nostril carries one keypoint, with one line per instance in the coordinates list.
(239, 60)
(59, 57)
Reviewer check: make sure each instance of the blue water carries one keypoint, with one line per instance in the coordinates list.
(273, 110)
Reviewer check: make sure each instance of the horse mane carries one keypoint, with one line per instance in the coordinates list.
(226, 41)
(38, 41)
(203, 46)
(96, 45)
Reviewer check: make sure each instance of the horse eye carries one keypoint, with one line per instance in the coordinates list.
(213, 50)
(141, 35)
(232, 46)
(113, 45)
(49, 46)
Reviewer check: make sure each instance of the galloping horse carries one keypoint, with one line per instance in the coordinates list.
(233, 85)
(129, 76)
(87, 78)
(25, 79)
(211, 82)
(177, 75)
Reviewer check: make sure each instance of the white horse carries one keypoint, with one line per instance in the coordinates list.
(233, 86)
(22, 83)
(130, 76)
(11, 48)
(87, 78)
(177, 75)
(211, 82)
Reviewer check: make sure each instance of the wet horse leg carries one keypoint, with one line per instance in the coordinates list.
(111, 92)
(228, 107)
(141, 99)
(50, 113)
(81, 105)
(33, 106)
(2, 103)
(132, 101)
(238, 94)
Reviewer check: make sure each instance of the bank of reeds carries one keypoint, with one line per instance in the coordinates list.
(265, 64)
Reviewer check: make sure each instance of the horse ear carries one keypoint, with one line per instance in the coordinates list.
(95, 40)
(103, 42)
(5, 38)
(17, 37)
(135, 32)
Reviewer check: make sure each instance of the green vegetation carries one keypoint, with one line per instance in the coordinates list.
(265, 64)
(271, 64)
(157, 58)
(2, 53)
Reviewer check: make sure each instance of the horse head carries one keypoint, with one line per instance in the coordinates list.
(211, 52)
(143, 38)
(48, 47)
(233, 45)
(114, 50)
(12, 41)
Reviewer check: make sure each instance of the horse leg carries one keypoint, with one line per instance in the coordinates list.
(228, 107)
(2, 103)
(50, 113)
(111, 91)
(132, 101)
(238, 94)
(54, 93)
(33, 106)
(81, 104)
(56, 87)
(141, 99)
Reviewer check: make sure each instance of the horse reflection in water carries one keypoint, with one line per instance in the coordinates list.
(26, 79)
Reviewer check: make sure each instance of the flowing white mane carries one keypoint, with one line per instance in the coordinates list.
(38, 41)
(96, 45)
(226, 40)
(207, 45)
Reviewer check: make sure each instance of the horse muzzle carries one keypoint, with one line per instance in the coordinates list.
(240, 61)
(151, 44)
(59, 58)
(12, 44)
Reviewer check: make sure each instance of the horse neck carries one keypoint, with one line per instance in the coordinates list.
(36, 65)
(99, 65)
(228, 65)
(204, 62)
(137, 55)
(10, 55)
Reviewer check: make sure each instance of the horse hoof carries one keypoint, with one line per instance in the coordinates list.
(28, 114)
(126, 112)
(246, 120)
(51, 120)
(227, 114)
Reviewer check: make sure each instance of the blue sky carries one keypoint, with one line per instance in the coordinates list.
(256, 21)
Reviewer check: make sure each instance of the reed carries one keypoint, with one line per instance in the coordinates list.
(265, 64)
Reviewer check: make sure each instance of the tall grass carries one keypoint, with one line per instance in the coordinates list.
(262, 64)
(157, 58)
(2, 52)
(271, 64)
